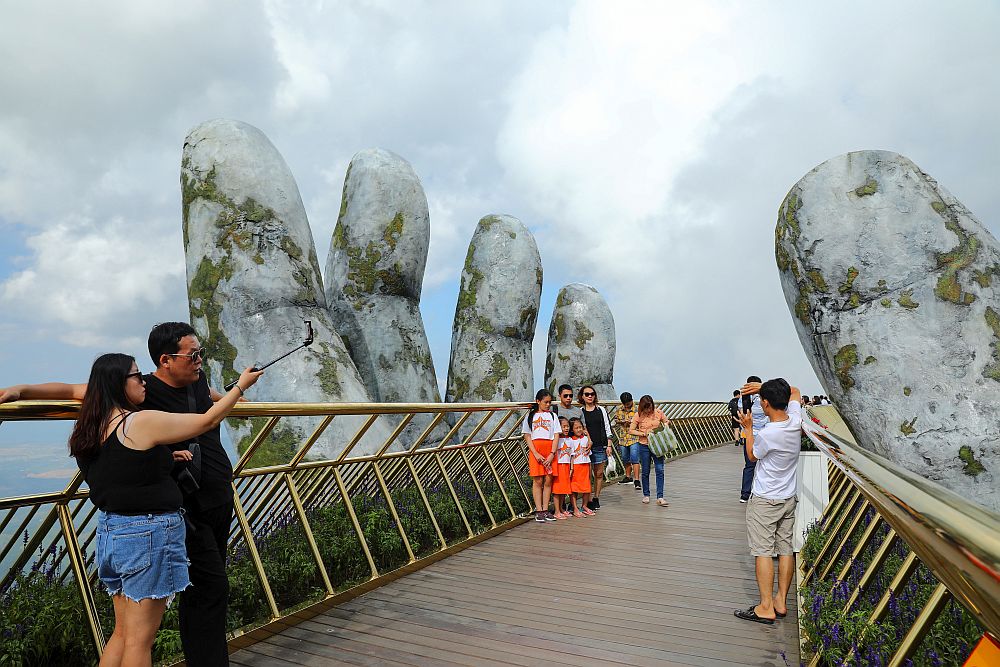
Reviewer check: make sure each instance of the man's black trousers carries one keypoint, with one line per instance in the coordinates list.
(203, 605)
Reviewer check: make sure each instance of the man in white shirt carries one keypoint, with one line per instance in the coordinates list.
(771, 510)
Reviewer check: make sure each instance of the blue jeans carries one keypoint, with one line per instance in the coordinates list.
(644, 456)
(630, 453)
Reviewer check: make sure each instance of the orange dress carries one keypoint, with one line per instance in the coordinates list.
(561, 480)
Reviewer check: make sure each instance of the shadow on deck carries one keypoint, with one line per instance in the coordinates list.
(635, 585)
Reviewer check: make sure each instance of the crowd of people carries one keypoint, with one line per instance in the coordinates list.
(569, 447)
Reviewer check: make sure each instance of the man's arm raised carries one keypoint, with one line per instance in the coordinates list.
(58, 391)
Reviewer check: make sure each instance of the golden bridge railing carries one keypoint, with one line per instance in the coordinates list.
(307, 534)
(894, 550)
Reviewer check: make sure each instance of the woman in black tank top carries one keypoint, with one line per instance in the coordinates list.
(141, 557)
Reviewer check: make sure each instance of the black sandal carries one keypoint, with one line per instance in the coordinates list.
(779, 614)
(750, 615)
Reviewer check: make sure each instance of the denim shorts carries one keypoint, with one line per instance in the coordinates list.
(630, 453)
(598, 455)
(142, 556)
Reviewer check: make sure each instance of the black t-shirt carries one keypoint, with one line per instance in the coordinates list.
(594, 419)
(216, 469)
(130, 481)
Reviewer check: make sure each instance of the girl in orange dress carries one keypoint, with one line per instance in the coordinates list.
(579, 445)
(561, 487)
(541, 433)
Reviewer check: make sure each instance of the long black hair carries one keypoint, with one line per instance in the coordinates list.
(539, 395)
(105, 392)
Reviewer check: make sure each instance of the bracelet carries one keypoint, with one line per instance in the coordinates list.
(239, 389)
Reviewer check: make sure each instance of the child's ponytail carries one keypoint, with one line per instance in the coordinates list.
(539, 395)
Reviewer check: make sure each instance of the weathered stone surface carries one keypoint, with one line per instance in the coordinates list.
(253, 277)
(581, 342)
(901, 281)
(374, 274)
(496, 315)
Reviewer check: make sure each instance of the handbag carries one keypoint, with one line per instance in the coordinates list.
(662, 440)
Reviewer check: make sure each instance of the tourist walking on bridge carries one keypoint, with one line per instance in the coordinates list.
(771, 511)
(627, 443)
(122, 451)
(647, 418)
(595, 419)
(541, 432)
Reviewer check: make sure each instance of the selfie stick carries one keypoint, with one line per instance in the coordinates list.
(306, 343)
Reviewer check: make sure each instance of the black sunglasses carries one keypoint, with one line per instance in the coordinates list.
(137, 375)
(589, 393)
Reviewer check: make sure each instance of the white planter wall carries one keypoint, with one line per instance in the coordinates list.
(813, 493)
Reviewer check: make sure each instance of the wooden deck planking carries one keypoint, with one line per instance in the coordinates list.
(635, 585)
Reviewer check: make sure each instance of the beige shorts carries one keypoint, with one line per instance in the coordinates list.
(769, 526)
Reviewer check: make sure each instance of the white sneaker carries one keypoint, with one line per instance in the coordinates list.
(743, 500)
(645, 500)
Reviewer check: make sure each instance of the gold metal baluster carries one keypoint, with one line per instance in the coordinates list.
(307, 528)
(479, 489)
(82, 580)
(254, 444)
(517, 477)
(888, 544)
(304, 449)
(833, 534)
(427, 503)
(500, 484)
(392, 510)
(866, 539)
(354, 521)
(458, 504)
(902, 577)
(935, 605)
(258, 564)
(855, 524)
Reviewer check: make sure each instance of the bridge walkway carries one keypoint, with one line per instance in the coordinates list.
(636, 585)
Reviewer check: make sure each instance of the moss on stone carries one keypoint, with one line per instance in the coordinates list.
(460, 386)
(886, 302)
(906, 428)
(844, 360)
(869, 360)
(499, 371)
(906, 300)
(789, 215)
(393, 231)
(869, 188)
(481, 345)
(508, 395)
(782, 257)
(563, 357)
(992, 371)
(339, 242)
(882, 286)
(853, 302)
(583, 334)
(939, 207)
(848, 284)
(907, 391)
(468, 291)
(201, 293)
(817, 280)
(802, 309)
(950, 263)
(328, 373)
(291, 248)
(973, 467)
(559, 327)
(982, 277)
(343, 196)
(511, 332)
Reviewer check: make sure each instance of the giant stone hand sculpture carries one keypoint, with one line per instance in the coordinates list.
(253, 277)
(496, 314)
(894, 288)
(581, 346)
(374, 274)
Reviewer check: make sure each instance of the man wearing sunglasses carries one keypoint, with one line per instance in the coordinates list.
(178, 385)
(565, 408)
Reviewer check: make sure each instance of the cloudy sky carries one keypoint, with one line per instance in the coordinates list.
(647, 146)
